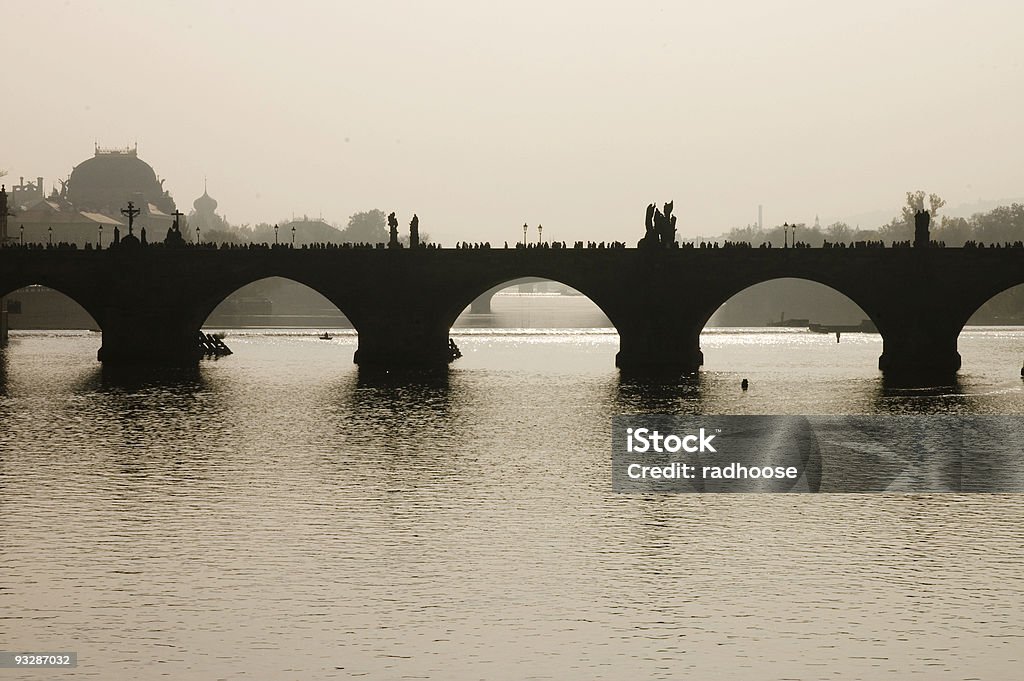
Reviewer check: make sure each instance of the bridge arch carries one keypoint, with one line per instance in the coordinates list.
(590, 315)
(482, 303)
(265, 294)
(464, 298)
(996, 305)
(206, 304)
(80, 298)
(788, 298)
(786, 304)
(994, 318)
(821, 285)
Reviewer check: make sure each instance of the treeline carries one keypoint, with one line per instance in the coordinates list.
(999, 225)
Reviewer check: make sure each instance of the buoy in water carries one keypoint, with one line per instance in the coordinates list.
(746, 384)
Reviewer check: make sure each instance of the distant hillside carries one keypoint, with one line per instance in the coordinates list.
(876, 218)
(966, 210)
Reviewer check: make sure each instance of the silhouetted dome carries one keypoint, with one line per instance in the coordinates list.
(111, 178)
(205, 203)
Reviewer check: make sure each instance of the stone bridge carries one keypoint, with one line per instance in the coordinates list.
(150, 302)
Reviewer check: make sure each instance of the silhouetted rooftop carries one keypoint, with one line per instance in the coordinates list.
(108, 180)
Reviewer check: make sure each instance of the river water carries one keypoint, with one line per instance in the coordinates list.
(278, 514)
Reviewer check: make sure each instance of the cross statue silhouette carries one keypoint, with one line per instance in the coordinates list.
(177, 215)
(130, 212)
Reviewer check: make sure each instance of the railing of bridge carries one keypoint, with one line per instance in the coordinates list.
(477, 246)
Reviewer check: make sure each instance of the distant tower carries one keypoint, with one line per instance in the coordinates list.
(760, 221)
(204, 216)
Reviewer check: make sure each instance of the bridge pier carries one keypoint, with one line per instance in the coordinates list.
(919, 350)
(3, 321)
(650, 348)
(148, 337)
(403, 343)
(482, 303)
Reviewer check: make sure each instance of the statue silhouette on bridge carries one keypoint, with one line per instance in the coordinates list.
(660, 228)
(174, 239)
(393, 225)
(414, 232)
(922, 219)
(651, 236)
(130, 241)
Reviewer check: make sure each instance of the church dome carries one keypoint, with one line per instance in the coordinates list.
(111, 178)
(205, 203)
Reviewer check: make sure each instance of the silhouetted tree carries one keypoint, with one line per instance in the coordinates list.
(839, 232)
(367, 227)
(220, 236)
(953, 231)
(901, 227)
(262, 232)
(1005, 223)
(915, 202)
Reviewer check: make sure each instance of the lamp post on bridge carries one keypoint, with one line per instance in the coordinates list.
(198, 239)
(524, 234)
(50, 235)
(101, 238)
(275, 235)
(293, 236)
(540, 234)
(785, 235)
(23, 235)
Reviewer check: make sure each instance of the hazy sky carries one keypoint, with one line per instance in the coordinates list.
(480, 116)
